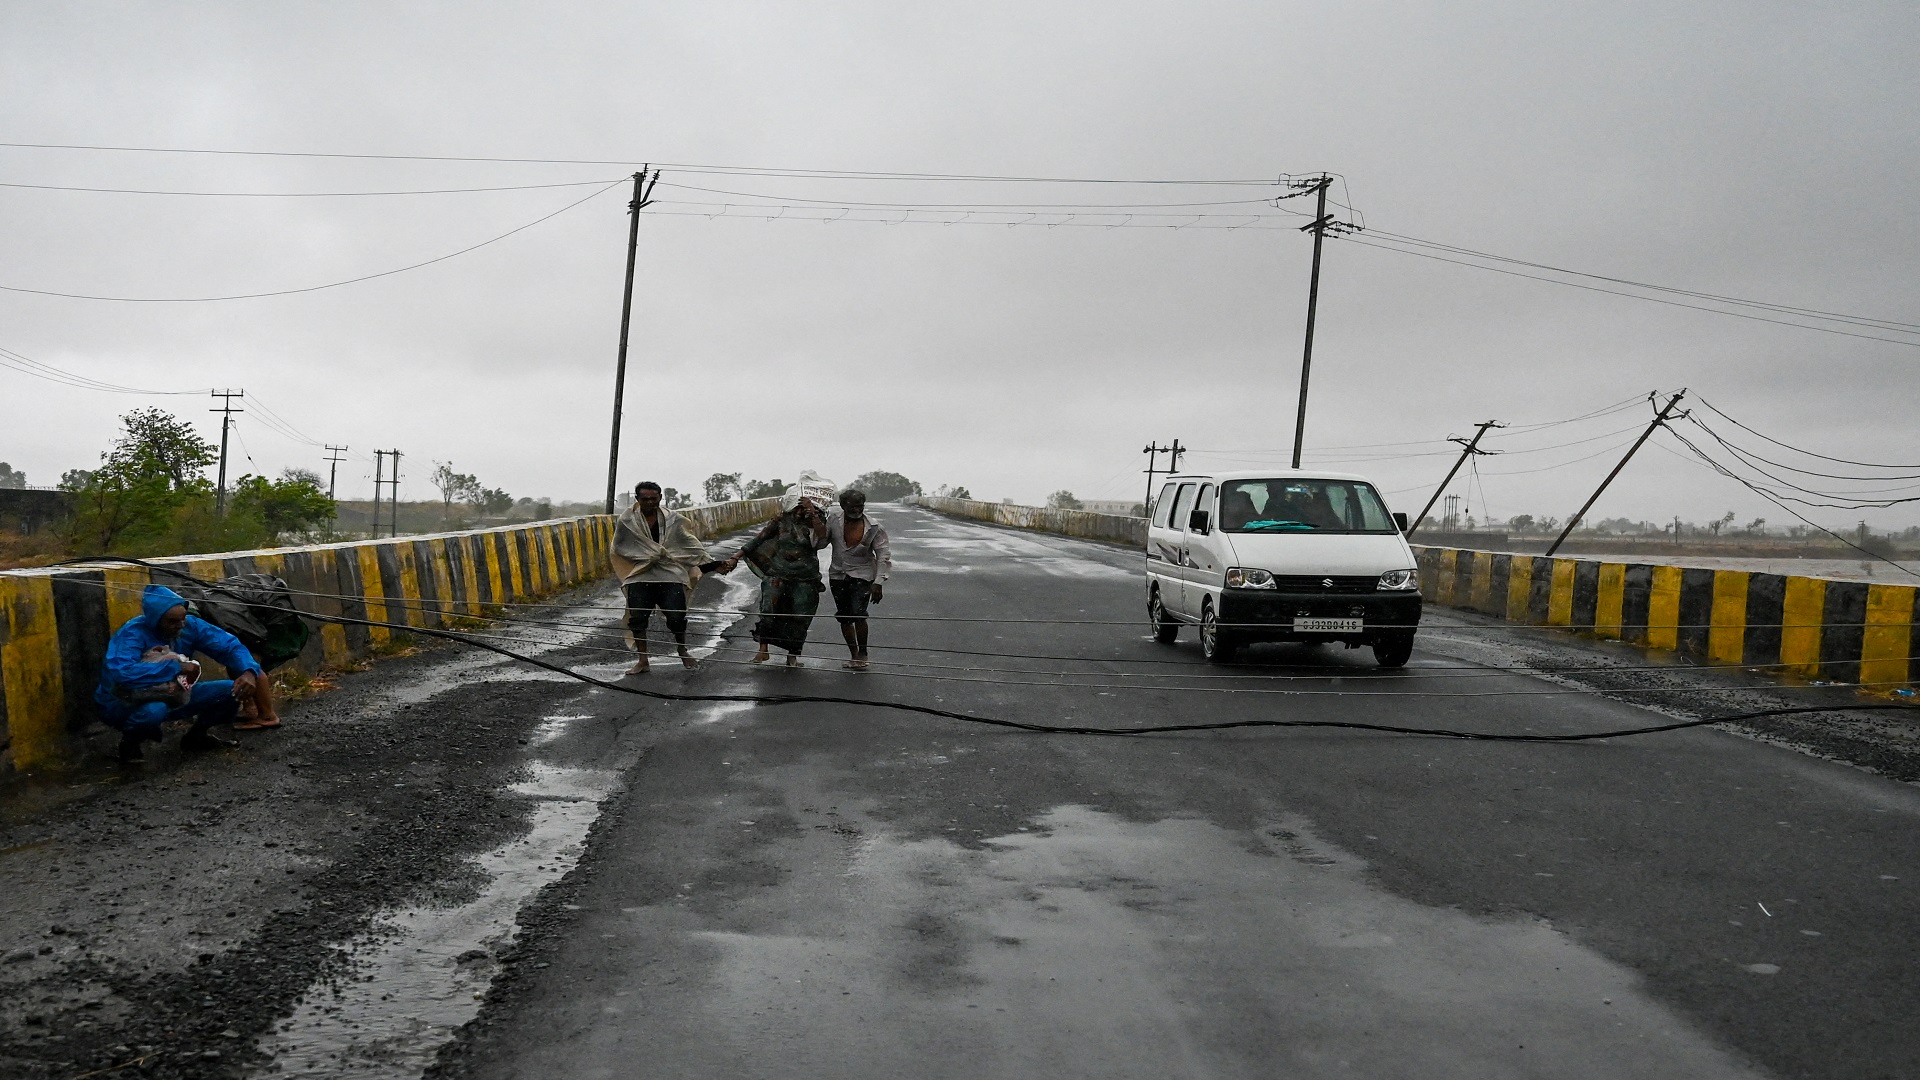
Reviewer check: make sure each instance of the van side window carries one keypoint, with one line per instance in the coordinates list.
(1204, 502)
(1180, 507)
(1163, 506)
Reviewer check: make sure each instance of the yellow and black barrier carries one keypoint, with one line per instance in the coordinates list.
(1084, 524)
(1801, 627)
(55, 621)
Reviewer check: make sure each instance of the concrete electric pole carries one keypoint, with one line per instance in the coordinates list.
(333, 470)
(1666, 412)
(642, 194)
(1467, 450)
(1318, 227)
(226, 411)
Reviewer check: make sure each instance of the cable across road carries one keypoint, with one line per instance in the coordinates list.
(1055, 729)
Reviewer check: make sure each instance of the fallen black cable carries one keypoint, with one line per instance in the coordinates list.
(1017, 725)
(991, 721)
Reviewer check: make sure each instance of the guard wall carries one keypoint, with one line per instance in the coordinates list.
(1110, 528)
(55, 621)
(1813, 628)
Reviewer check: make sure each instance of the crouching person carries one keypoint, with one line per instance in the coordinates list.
(149, 678)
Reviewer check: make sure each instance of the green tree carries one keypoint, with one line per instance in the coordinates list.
(721, 486)
(884, 486)
(11, 477)
(156, 444)
(454, 487)
(1521, 522)
(492, 501)
(150, 481)
(675, 499)
(1063, 500)
(295, 503)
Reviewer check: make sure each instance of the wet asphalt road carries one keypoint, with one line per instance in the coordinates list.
(825, 891)
(454, 864)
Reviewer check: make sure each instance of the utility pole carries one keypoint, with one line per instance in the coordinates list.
(1319, 230)
(395, 530)
(226, 411)
(642, 195)
(1666, 412)
(1467, 450)
(333, 470)
(379, 478)
(1153, 451)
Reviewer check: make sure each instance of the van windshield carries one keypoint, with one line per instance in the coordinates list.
(1323, 506)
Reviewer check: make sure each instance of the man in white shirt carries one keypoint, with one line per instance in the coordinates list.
(862, 559)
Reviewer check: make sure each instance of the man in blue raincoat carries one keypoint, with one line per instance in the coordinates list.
(149, 678)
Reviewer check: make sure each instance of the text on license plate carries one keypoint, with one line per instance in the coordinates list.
(1328, 626)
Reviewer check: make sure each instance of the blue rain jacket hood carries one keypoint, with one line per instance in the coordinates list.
(124, 666)
(156, 602)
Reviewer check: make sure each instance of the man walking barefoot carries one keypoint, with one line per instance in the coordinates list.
(862, 559)
(657, 558)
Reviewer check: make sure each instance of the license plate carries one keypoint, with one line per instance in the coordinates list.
(1328, 626)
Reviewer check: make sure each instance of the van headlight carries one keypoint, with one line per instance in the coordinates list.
(1247, 577)
(1399, 580)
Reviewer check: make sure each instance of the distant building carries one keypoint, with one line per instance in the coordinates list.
(1118, 507)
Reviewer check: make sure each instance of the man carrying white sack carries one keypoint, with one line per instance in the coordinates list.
(657, 558)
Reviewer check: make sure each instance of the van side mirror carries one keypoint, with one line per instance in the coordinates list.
(1400, 522)
(1197, 522)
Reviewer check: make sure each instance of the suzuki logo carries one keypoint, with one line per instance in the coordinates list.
(1326, 583)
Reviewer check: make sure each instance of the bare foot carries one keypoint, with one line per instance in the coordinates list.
(762, 656)
(793, 660)
(687, 659)
(639, 667)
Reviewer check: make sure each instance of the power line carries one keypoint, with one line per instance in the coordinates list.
(1857, 320)
(39, 370)
(298, 194)
(930, 206)
(1769, 496)
(314, 288)
(1629, 295)
(1796, 449)
(725, 170)
(1068, 219)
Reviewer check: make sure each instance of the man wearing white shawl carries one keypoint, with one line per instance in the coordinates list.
(657, 558)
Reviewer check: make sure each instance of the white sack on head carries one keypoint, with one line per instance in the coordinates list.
(813, 486)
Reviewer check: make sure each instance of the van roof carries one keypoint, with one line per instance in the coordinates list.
(1270, 474)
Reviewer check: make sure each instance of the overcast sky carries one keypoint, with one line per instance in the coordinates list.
(1749, 149)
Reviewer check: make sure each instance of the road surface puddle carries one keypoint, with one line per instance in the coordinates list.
(421, 973)
(1095, 946)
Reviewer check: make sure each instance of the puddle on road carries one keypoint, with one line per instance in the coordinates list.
(422, 972)
(1093, 946)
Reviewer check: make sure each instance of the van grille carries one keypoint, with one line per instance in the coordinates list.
(1317, 583)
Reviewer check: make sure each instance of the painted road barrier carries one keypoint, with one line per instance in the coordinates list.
(1801, 627)
(55, 621)
(1111, 528)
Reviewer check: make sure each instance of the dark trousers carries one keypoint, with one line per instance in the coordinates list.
(669, 596)
(212, 703)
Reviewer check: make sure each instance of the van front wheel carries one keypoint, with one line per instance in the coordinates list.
(1217, 645)
(1392, 650)
(1165, 626)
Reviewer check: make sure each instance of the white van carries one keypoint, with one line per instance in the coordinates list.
(1279, 555)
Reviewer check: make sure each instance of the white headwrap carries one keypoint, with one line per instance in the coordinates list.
(811, 485)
